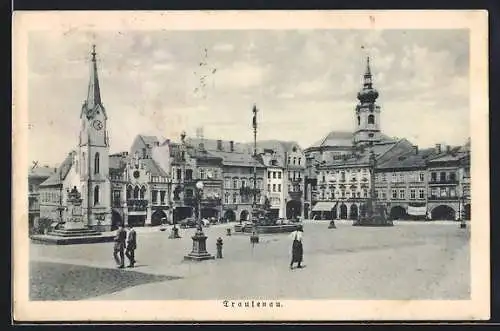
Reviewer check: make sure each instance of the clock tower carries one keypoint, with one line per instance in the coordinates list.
(94, 156)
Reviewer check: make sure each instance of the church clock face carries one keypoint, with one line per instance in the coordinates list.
(97, 125)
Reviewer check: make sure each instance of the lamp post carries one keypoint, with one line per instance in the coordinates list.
(199, 251)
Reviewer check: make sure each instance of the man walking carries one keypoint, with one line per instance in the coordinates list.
(131, 246)
(297, 248)
(119, 247)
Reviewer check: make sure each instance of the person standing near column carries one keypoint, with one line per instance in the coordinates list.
(131, 246)
(119, 248)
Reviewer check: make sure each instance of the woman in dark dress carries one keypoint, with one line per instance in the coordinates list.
(297, 248)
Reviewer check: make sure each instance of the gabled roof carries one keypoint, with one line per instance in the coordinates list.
(212, 144)
(237, 159)
(41, 172)
(335, 138)
(153, 167)
(62, 171)
(149, 141)
(407, 161)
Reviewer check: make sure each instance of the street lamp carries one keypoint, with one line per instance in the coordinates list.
(199, 251)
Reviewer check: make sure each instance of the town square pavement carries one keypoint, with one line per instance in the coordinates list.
(412, 260)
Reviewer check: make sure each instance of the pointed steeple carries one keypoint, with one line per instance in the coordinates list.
(367, 79)
(94, 92)
(368, 94)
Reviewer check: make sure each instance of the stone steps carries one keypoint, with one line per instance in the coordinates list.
(74, 233)
(60, 240)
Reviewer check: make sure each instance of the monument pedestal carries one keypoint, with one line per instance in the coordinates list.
(75, 231)
(374, 217)
(199, 252)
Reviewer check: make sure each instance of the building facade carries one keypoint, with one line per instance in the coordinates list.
(36, 176)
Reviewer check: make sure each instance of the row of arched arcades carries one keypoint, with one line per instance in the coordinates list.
(441, 212)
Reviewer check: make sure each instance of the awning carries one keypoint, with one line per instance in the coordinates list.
(417, 211)
(323, 206)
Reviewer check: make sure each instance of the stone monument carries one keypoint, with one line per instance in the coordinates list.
(74, 218)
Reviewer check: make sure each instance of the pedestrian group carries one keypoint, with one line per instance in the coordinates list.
(125, 245)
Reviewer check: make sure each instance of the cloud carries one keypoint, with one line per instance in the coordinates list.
(223, 47)
(304, 82)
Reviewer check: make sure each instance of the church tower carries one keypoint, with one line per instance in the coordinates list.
(94, 156)
(367, 111)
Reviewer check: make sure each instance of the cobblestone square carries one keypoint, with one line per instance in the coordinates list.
(412, 260)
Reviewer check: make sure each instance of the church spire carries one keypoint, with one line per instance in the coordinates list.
(367, 79)
(368, 94)
(94, 92)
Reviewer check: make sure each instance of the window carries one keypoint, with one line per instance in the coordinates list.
(421, 194)
(421, 177)
(294, 160)
(358, 194)
(154, 196)
(401, 194)
(365, 194)
(143, 153)
(384, 195)
(376, 194)
(453, 192)
(226, 198)
(235, 183)
(179, 174)
(269, 174)
(274, 187)
(401, 177)
(243, 183)
(394, 194)
(189, 193)
(412, 194)
(452, 176)
(274, 174)
(96, 163)
(359, 121)
(268, 187)
(143, 192)
(384, 177)
(202, 173)
(299, 160)
(371, 119)
(279, 187)
(289, 159)
(235, 198)
(136, 192)
(162, 197)
(433, 177)
(324, 179)
(394, 177)
(442, 176)
(343, 194)
(189, 174)
(96, 195)
(129, 192)
(342, 176)
(279, 175)
(443, 192)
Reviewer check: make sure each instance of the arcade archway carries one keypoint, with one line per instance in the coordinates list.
(181, 213)
(116, 220)
(244, 215)
(343, 212)
(209, 212)
(443, 212)
(398, 212)
(230, 216)
(467, 212)
(156, 218)
(293, 209)
(354, 211)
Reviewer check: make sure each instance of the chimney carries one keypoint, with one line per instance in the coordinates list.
(219, 145)
(438, 148)
(231, 146)
(415, 149)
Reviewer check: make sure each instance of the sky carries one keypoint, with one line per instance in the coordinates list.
(304, 83)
